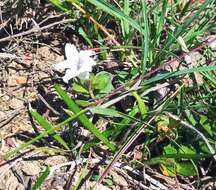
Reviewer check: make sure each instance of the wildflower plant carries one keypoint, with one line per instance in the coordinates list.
(131, 99)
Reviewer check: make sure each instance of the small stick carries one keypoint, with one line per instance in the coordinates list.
(48, 105)
(119, 165)
(8, 55)
(34, 29)
(95, 22)
(9, 118)
(122, 150)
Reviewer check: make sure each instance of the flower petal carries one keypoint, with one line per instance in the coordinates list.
(86, 63)
(87, 53)
(71, 52)
(62, 65)
(84, 75)
(86, 66)
(69, 74)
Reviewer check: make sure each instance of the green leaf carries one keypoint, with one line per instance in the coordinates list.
(190, 117)
(62, 6)
(163, 159)
(186, 150)
(102, 82)
(99, 81)
(111, 113)
(41, 179)
(49, 129)
(108, 182)
(83, 103)
(169, 149)
(142, 107)
(163, 119)
(95, 177)
(125, 24)
(85, 36)
(206, 125)
(79, 88)
(82, 118)
(168, 170)
(186, 168)
(203, 147)
(162, 123)
(145, 41)
(179, 167)
(106, 111)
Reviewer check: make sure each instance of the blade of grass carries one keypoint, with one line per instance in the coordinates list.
(114, 133)
(49, 129)
(39, 137)
(182, 28)
(142, 107)
(125, 24)
(110, 9)
(145, 41)
(160, 23)
(113, 113)
(179, 73)
(209, 76)
(82, 118)
(61, 6)
(41, 179)
(124, 123)
(106, 111)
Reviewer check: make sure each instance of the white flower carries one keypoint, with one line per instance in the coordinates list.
(77, 64)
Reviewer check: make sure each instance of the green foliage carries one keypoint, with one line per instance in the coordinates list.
(176, 166)
(49, 129)
(112, 10)
(82, 118)
(41, 179)
(206, 125)
(142, 107)
(98, 85)
(85, 36)
(79, 88)
(101, 82)
(25, 145)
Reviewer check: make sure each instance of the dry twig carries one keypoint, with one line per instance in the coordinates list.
(123, 149)
(35, 29)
